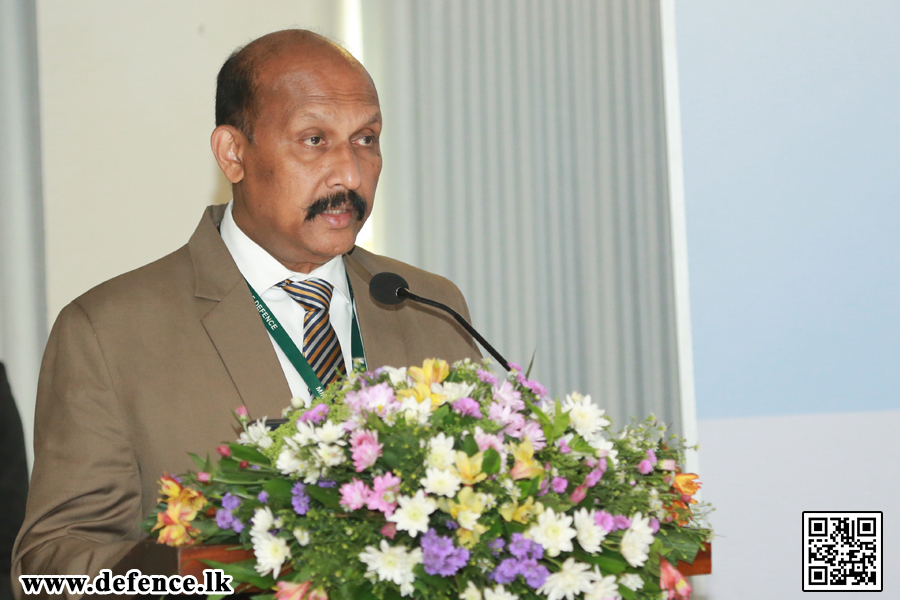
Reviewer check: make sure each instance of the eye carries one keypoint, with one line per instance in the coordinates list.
(368, 140)
(314, 140)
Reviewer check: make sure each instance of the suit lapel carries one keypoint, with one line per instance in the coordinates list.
(380, 326)
(233, 325)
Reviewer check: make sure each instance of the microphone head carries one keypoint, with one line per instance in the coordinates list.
(384, 286)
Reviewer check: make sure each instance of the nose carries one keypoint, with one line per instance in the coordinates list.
(344, 169)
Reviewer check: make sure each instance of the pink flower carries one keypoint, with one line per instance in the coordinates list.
(355, 494)
(366, 449)
(316, 414)
(563, 446)
(389, 530)
(579, 494)
(560, 484)
(533, 432)
(318, 594)
(487, 377)
(224, 450)
(654, 524)
(488, 440)
(645, 467)
(384, 494)
(604, 520)
(291, 591)
(512, 421)
(467, 407)
(506, 395)
(651, 456)
(203, 476)
(241, 411)
(667, 465)
(673, 581)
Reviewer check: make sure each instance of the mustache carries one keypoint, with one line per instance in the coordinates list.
(338, 200)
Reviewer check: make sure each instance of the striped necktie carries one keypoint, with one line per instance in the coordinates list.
(320, 343)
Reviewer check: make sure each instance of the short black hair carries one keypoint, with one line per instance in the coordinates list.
(235, 91)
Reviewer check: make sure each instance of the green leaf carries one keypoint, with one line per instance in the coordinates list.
(491, 462)
(530, 364)
(245, 478)
(243, 572)
(202, 465)
(682, 545)
(470, 446)
(578, 444)
(543, 419)
(279, 490)
(251, 455)
(627, 593)
(433, 581)
(610, 563)
(561, 422)
(438, 416)
(330, 497)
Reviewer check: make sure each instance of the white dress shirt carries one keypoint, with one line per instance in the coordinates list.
(263, 272)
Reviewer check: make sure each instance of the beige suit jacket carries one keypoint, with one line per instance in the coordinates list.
(148, 366)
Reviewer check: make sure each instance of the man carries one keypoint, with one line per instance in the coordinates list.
(148, 366)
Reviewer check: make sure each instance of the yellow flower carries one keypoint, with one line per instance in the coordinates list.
(469, 467)
(174, 524)
(466, 509)
(422, 392)
(685, 484)
(526, 467)
(169, 488)
(432, 371)
(469, 537)
(511, 511)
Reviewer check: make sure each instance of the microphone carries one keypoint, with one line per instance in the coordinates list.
(390, 288)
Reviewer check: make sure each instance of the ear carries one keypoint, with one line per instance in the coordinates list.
(228, 145)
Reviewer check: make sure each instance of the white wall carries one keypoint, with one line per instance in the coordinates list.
(791, 154)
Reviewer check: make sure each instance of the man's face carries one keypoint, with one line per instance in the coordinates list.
(315, 146)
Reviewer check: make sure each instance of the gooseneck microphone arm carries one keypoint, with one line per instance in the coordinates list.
(405, 293)
(390, 288)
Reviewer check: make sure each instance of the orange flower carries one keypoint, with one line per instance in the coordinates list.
(685, 484)
(174, 522)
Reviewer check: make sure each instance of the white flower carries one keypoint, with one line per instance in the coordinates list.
(298, 402)
(452, 391)
(584, 416)
(414, 411)
(470, 593)
(397, 376)
(510, 487)
(330, 433)
(498, 593)
(262, 521)
(441, 454)
(288, 463)
(306, 434)
(632, 581)
(589, 534)
(605, 588)
(489, 501)
(330, 456)
(636, 542)
(393, 564)
(573, 578)
(257, 434)
(271, 552)
(441, 482)
(468, 519)
(553, 532)
(302, 536)
(412, 516)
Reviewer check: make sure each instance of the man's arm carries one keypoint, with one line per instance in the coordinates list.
(84, 504)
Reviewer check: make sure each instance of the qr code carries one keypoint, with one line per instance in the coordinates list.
(842, 551)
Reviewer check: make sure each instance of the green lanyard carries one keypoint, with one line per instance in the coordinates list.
(293, 353)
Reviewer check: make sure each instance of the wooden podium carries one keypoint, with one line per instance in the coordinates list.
(157, 559)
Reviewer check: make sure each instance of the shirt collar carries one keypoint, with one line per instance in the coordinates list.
(262, 271)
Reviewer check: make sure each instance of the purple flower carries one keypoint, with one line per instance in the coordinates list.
(326, 483)
(496, 546)
(645, 467)
(237, 526)
(621, 522)
(254, 467)
(230, 502)
(506, 571)
(451, 525)
(467, 407)
(560, 484)
(605, 520)
(521, 547)
(224, 519)
(300, 498)
(263, 497)
(487, 377)
(440, 556)
(535, 574)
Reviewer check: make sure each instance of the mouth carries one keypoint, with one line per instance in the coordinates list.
(342, 205)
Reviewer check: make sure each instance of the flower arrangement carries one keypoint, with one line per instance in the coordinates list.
(444, 482)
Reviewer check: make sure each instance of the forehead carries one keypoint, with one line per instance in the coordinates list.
(319, 82)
